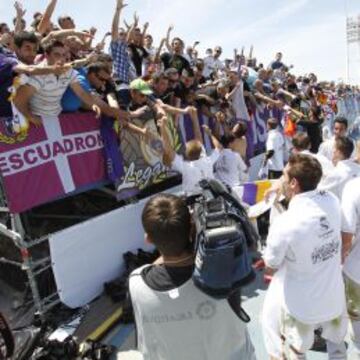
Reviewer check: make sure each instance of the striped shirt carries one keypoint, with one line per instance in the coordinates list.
(49, 92)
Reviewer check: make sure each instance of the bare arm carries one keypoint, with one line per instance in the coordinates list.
(22, 103)
(167, 41)
(214, 140)
(169, 152)
(130, 33)
(45, 70)
(146, 26)
(20, 12)
(45, 21)
(116, 20)
(346, 244)
(158, 52)
(59, 34)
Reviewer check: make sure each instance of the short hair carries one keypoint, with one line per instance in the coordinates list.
(272, 123)
(341, 120)
(193, 150)
(51, 45)
(156, 77)
(25, 36)
(166, 220)
(177, 39)
(102, 57)
(301, 141)
(345, 145)
(62, 18)
(226, 140)
(306, 169)
(2, 25)
(97, 67)
(240, 129)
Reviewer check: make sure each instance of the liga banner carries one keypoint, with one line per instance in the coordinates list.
(41, 164)
(142, 156)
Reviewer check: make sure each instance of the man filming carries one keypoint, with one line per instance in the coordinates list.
(174, 319)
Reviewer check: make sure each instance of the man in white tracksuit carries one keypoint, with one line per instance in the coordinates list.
(304, 253)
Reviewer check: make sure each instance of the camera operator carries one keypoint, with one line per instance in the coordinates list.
(174, 319)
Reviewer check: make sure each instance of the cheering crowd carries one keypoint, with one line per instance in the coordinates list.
(47, 68)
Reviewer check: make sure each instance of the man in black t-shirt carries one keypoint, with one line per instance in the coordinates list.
(137, 51)
(175, 59)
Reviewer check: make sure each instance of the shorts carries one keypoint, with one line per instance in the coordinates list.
(352, 290)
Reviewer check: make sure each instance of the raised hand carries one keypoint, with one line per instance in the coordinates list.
(20, 11)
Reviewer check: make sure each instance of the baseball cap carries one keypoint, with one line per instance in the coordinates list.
(141, 86)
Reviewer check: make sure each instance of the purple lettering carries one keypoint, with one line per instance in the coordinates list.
(68, 145)
(27, 158)
(90, 141)
(16, 161)
(3, 166)
(79, 143)
(44, 152)
(57, 149)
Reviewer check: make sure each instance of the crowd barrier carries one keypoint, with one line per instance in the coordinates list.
(76, 152)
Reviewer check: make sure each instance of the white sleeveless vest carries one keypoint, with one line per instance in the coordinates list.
(186, 324)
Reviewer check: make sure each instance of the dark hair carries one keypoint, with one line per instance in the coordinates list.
(226, 140)
(166, 219)
(52, 44)
(62, 18)
(177, 39)
(3, 25)
(241, 129)
(345, 145)
(97, 67)
(272, 123)
(301, 141)
(25, 36)
(341, 120)
(306, 169)
(102, 57)
(156, 77)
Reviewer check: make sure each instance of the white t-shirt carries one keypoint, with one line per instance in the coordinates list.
(327, 149)
(275, 142)
(326, 165)
(344, 171)
(230, 168)
(350, 206)
(49, 92)
(194, 171)
(212, 65)
(304, 244)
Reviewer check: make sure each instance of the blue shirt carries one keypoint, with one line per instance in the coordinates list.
(119, 53)
(70, 102)
(7, 63)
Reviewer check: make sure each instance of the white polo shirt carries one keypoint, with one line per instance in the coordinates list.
(350, 206)
(344, 171)
(304, 244)
(194, 171)
(49, 92)
(230, 168)
(275, 141)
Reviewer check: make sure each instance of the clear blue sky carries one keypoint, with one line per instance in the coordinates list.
(310, 33)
